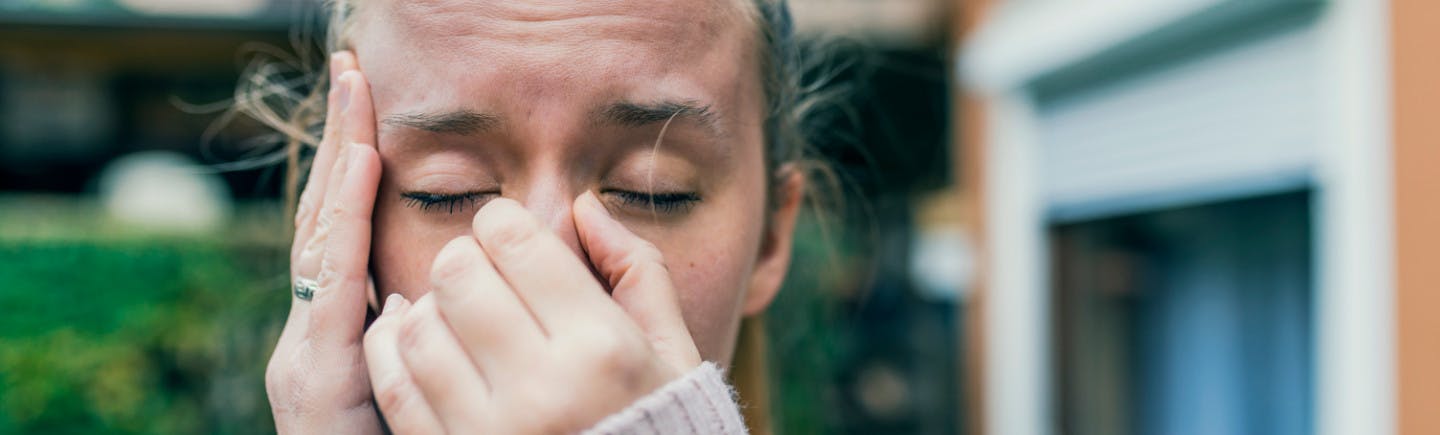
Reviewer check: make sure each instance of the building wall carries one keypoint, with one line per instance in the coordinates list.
(1416, 88)
(1355, 254)
(969, 146)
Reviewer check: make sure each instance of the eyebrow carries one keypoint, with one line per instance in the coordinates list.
(625, 113)
(632, 114)
(459, 122)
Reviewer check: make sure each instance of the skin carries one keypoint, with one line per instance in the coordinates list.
(549, 289)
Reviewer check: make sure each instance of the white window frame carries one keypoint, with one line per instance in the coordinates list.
(1353, 208)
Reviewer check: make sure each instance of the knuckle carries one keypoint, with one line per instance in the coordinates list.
(610, 351)
(305, 253)
(327, 278)
(305, 210)
(452, 261)
(283, 384)
(318, 236)
(544, 411)
(325, 218)
(341, 207)
(296, 251)
(390, 393)
(410, 333)
(648, 250)
(312, 244)
(652, 271)
(646, 255)
(275, 378)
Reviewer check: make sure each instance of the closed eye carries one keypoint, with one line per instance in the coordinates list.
(660, 202)
(449, 203)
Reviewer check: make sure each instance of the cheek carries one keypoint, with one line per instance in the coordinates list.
(711, 282)
(713, 255)
(402, 249)
(710, 263)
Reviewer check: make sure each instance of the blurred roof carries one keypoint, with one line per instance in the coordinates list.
(262, 15)
(896, 22)
(163, 37)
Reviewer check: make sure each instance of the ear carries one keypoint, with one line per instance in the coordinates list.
(775, 246)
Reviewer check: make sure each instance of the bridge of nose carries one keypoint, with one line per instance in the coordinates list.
(552, 204)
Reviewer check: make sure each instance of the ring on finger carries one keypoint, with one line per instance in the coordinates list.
(305, 288)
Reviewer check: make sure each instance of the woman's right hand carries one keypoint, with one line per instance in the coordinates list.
(317, 380)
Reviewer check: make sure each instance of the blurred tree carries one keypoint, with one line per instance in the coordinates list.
(137, 336)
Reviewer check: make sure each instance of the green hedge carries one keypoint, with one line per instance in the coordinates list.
(136, 336)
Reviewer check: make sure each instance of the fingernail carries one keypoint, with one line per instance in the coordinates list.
(594, 201)
(450, 263)
(391, 301)
(334, 67)
(344, 93)
(608, 220)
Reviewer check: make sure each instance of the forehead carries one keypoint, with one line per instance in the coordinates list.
(567, 22)
(533, 50)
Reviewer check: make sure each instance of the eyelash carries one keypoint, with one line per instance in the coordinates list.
(447, 202)
(667, 202)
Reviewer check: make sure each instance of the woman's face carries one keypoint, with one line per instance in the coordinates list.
(541, 101)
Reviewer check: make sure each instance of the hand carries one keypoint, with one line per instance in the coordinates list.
(518, 336)
(316, 379)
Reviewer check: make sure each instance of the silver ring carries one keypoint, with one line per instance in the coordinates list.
(305, 288)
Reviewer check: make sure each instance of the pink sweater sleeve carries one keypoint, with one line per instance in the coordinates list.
(698, 403)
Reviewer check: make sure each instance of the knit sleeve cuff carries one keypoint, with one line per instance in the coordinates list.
(698, 403)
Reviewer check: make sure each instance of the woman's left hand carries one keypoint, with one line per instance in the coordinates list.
(518, 335)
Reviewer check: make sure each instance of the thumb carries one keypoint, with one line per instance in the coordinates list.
(635, 271)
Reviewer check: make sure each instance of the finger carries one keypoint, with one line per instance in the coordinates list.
(353, 117)
(344, 279)
(308, 264)
(343, 230)
(400, 401)
(453, 386)
(326, 174)
(493, 325)
(541, 269)
(314, 193)
(341, 61)
(640, 282)
(359, 122)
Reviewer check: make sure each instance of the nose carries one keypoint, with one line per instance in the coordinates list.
(551, 203)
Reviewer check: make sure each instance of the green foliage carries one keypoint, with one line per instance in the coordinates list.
(809, 340)
(136, 336)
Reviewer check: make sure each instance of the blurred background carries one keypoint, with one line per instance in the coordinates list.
(1061, 217)
(142, 236)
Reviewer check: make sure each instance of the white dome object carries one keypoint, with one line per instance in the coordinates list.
(942, 262)
(164, 191)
